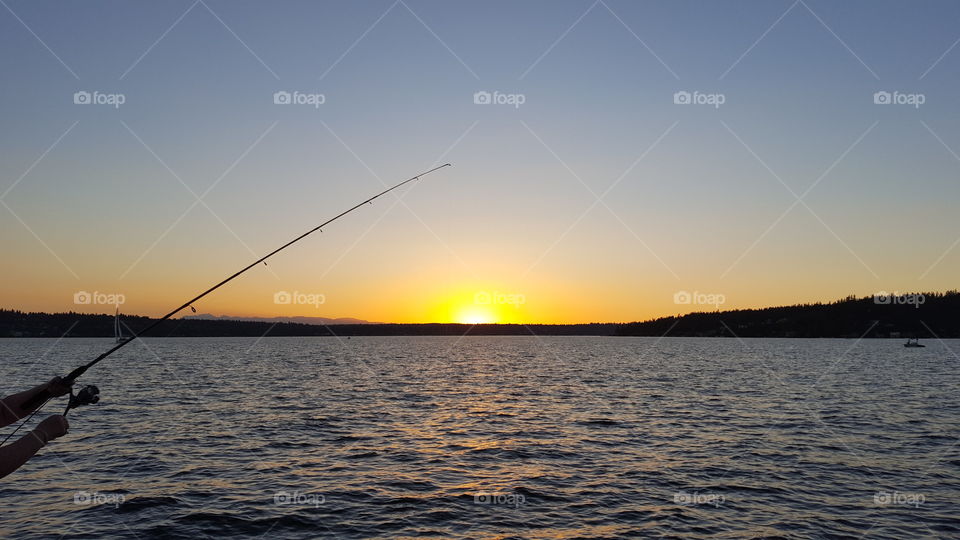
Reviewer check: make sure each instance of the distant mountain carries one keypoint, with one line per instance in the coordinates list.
(323, 321)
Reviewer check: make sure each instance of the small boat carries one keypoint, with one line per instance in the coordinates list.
(913, 342)
(118, 336)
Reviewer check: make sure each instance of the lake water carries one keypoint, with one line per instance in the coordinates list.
(495, 437)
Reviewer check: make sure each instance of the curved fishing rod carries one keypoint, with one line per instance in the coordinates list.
(45, 396)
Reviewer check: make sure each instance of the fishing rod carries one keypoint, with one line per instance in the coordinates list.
(89, 394)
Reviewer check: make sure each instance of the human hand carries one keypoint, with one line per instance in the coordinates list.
(57, 387)
(51, 428)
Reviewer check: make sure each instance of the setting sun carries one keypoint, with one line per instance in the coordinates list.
(480, 306)
(475, 315)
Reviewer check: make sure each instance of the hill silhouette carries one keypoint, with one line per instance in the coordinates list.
(300, 320)
(925, 315)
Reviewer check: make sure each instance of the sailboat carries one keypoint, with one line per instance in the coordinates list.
(118, 336)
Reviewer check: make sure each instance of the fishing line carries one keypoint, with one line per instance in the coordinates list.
(44, 396)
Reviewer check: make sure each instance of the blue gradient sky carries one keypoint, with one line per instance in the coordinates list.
(695, 213)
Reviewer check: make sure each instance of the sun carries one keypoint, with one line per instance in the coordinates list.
(475, 315)
(479, 305)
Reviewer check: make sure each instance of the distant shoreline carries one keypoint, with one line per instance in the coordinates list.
(936, 316)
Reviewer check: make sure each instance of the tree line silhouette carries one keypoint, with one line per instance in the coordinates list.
(71, 324)
(938, 315)
(929, 315)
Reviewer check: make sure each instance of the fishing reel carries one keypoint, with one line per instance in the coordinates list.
(88, 395)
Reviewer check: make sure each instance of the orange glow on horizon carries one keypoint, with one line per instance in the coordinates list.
(480, 306)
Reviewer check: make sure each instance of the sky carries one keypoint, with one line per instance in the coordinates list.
(612, 160)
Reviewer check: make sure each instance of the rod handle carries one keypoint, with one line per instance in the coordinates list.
(44, 395)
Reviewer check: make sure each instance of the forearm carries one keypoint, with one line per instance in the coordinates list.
(14, 455)
(12, 407)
